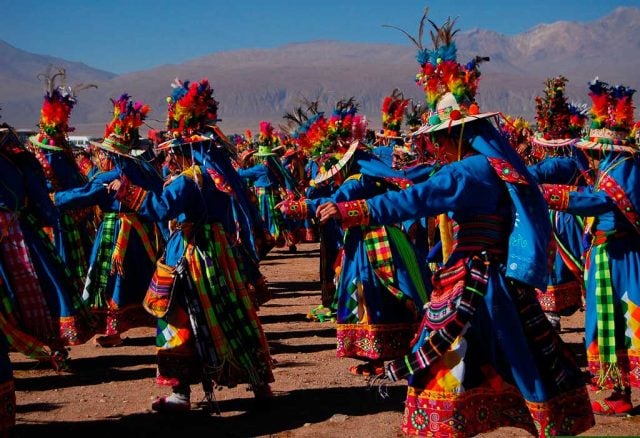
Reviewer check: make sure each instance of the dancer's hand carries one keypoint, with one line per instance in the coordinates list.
(114, 185)
(328, 211)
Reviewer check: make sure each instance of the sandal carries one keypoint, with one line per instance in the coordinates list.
(616, 405)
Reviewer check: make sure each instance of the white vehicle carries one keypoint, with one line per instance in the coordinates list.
(79, 141)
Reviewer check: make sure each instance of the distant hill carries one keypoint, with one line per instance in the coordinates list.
(254, 85)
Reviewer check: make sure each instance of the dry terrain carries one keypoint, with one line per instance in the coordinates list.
(109, 391)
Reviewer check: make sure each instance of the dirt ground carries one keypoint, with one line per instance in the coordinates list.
(109, 392)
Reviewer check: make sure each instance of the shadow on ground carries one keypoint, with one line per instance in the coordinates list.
(287, 411)
(92, 371)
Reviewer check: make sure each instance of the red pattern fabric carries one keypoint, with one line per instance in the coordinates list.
(561, 297)
(130, 195)
(374, 341)
(354, 213)
(557, 196)
(431, 413)
(616, 192)
(34, 312)
(506, 171)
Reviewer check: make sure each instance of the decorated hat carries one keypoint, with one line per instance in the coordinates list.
(611, 119)
(450, 87)
(559, 123)
(268, 140)
(191, 108)
(336, 165)
(59, 100)
(121, 134)
(393, 111)
(345, 125)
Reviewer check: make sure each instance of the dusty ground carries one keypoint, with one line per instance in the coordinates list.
(110, 391)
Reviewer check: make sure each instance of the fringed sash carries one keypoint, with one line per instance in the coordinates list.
(605, 313)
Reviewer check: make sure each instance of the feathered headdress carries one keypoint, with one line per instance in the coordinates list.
(611, 117)
(450, 88)
(190, 108)
(121, 134)
(393, 111)
(345, 125)
(59, 100)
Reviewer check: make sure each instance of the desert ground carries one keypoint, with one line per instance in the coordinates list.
(108, 392)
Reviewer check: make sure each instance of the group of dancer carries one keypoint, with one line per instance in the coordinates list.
(449, 251)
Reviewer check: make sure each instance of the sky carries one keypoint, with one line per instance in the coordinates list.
(122, 36)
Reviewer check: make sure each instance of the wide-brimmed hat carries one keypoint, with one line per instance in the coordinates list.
(559, 123)
(611, 119)
(121, 134)
(450, 87)
(180, 141)
(335, 164)
(449, 113)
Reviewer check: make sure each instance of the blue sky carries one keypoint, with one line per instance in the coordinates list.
(129, 35)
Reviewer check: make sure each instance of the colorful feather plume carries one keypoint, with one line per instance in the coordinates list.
(59, 101)
(393, 111)
(127, 118)
(612, 106)
(267, 135)
(440, 72)
(191, 106)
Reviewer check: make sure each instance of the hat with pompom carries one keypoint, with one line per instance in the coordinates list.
(450, 87)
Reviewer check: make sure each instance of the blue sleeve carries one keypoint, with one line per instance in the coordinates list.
(92, 193)
(449, 189)
(560, 170)
(174, 200)
(252, 173)
(590, 203)
(350, 189)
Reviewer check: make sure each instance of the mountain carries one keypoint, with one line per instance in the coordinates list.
(253, 85)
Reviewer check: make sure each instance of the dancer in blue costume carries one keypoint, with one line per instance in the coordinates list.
(125, 249)
(382, 285)
(74, 237)
(486, 356)
(559, 128)
(272, 182)
(612, 272)
(39, 295)
(208, 329)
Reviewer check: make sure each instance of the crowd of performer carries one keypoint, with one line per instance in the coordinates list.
(452, 243)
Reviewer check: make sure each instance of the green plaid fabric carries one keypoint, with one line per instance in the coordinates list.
(352, 303)
(98, 276)
(604, 306)
(73, 246)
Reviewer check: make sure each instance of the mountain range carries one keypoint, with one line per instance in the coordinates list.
(263, 84)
